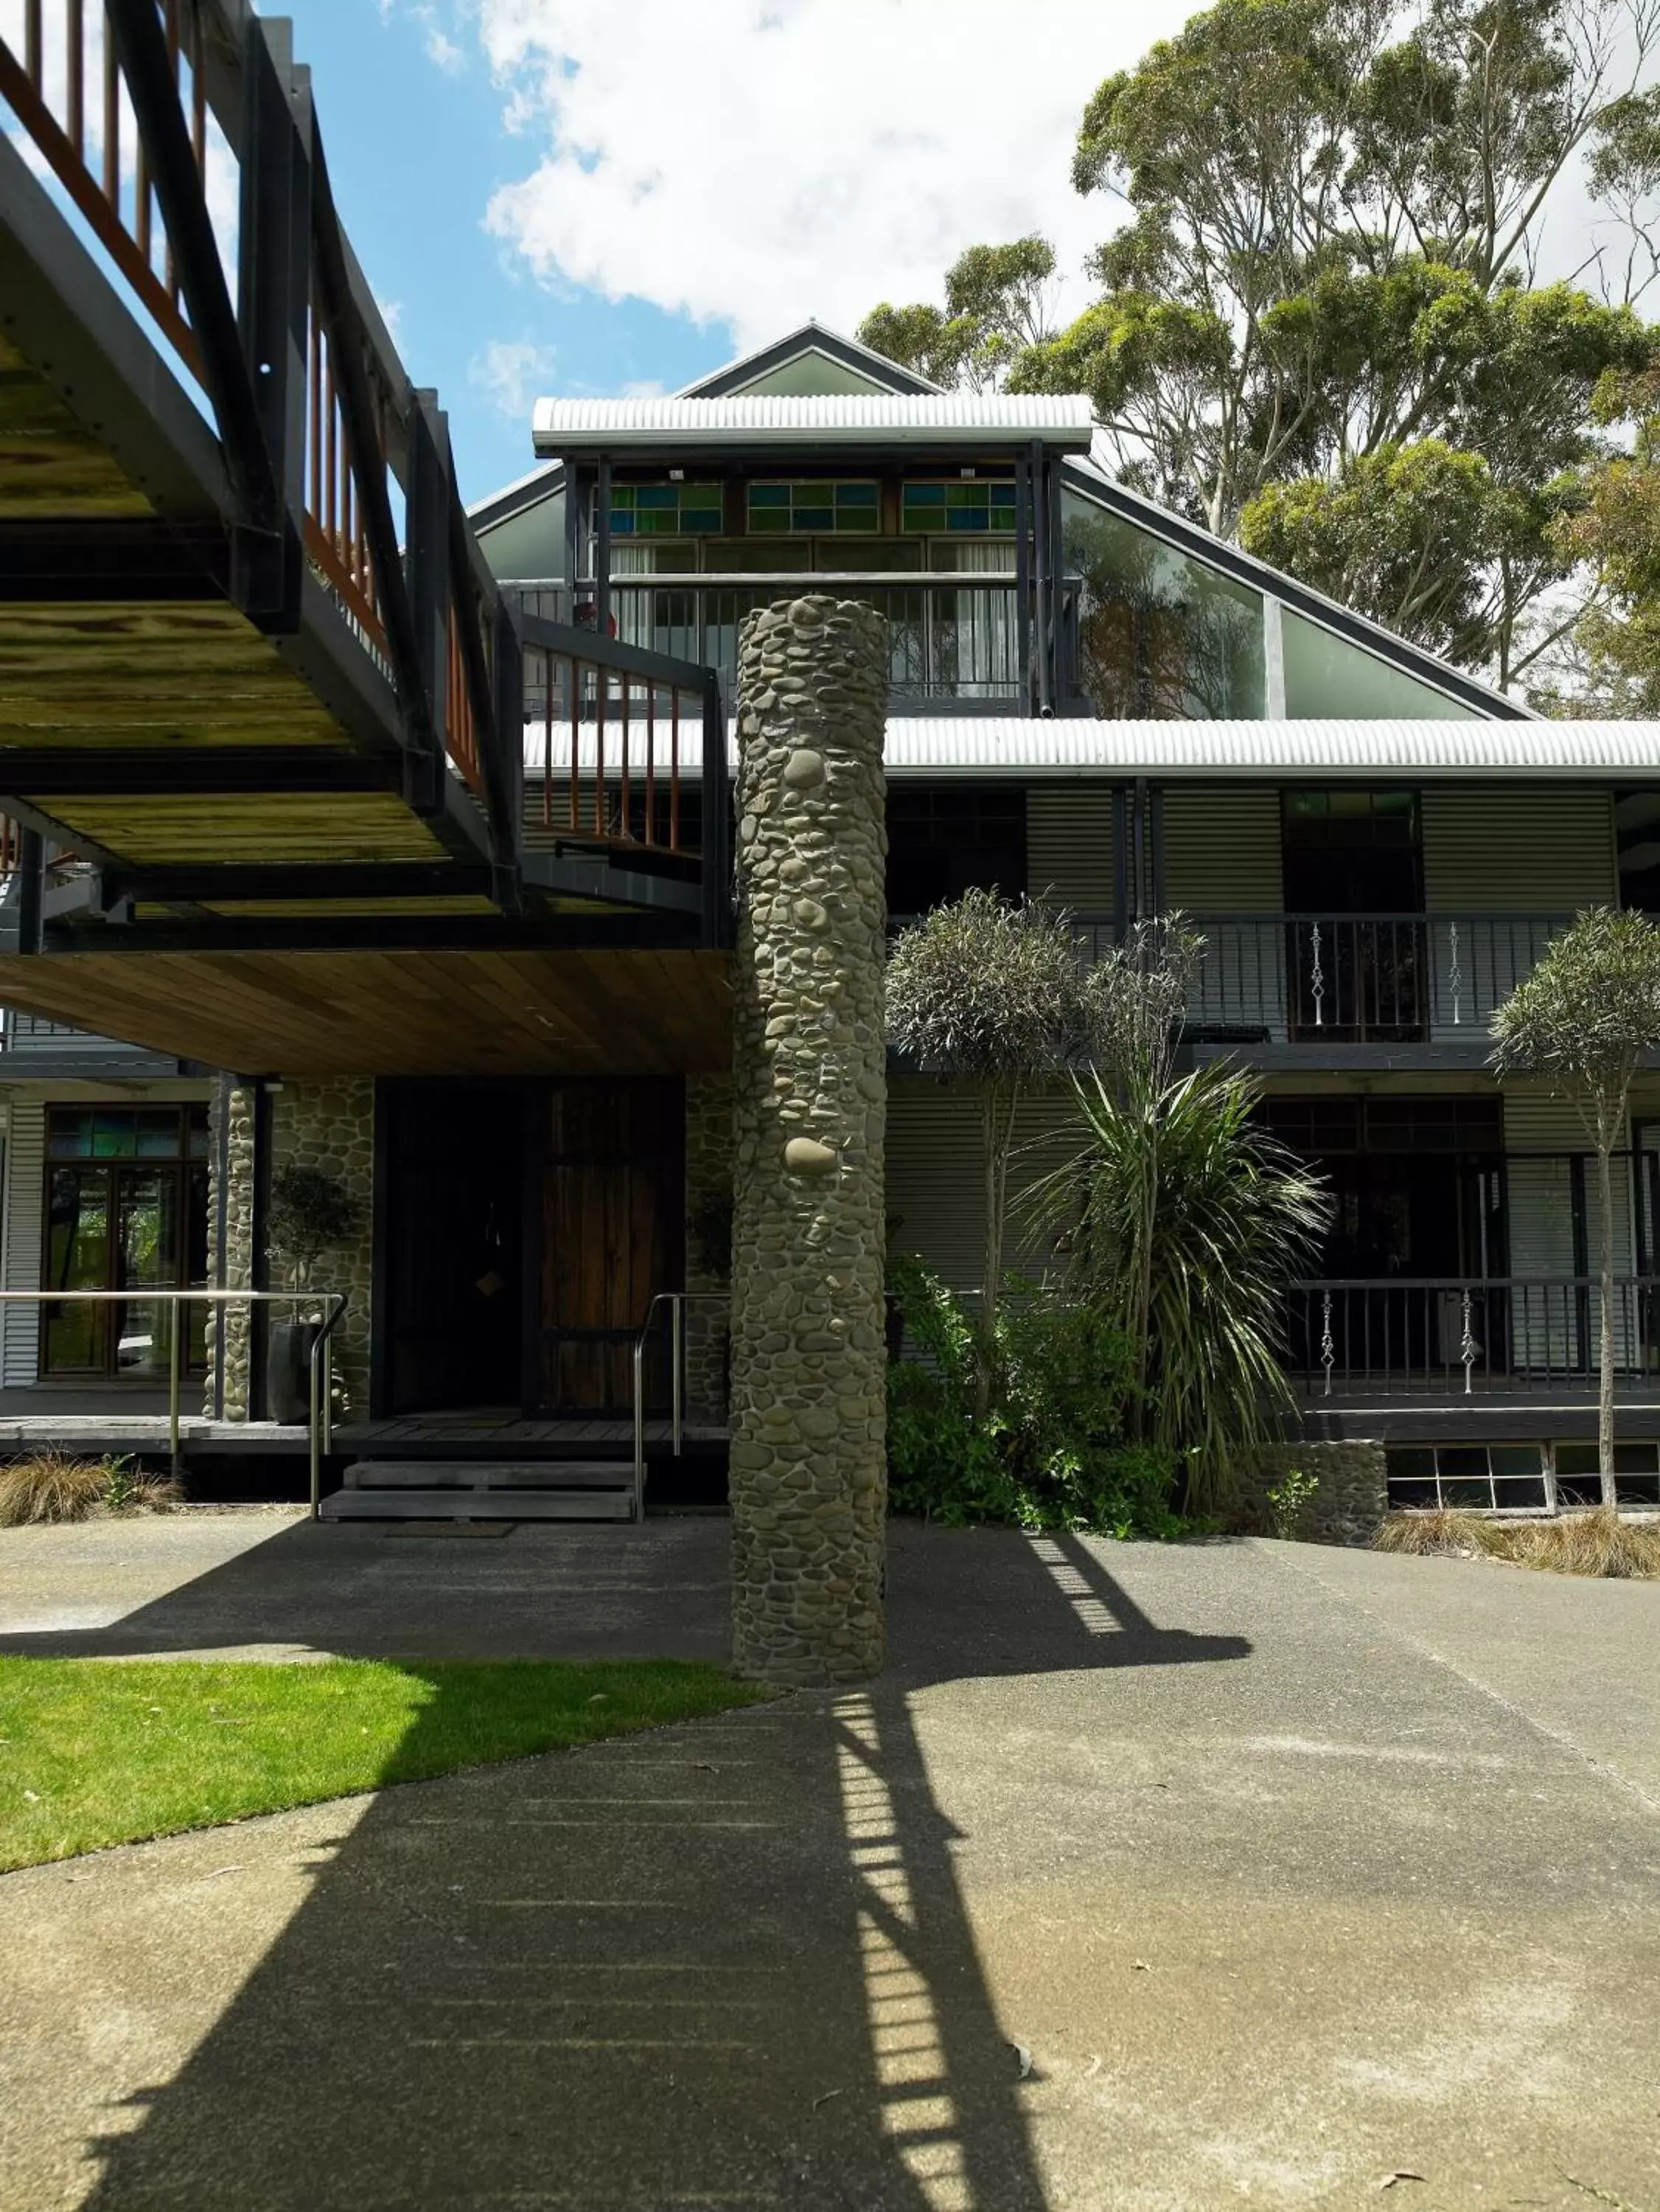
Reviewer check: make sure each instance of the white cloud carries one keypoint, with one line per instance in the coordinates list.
(510, 372)
(763, 160)
(446, 53)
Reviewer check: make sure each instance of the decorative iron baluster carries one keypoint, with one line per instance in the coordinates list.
(1328, 1343)
(1316, 981)
(1454, 975)
(1467, 1346)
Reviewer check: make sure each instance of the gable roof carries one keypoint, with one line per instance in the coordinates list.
(812, 337)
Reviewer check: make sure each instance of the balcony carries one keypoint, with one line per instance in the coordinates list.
(1361, 1340)
(1352, 978)
(955, 636)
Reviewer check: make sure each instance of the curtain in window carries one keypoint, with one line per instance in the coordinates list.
(977, 629)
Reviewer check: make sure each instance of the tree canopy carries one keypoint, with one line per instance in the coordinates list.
(1317, 329)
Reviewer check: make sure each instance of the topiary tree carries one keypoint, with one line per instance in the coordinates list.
(995, 993)
(309, 1211)
(1583, 1019)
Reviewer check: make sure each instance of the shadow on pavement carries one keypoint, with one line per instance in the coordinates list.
(726, 1965)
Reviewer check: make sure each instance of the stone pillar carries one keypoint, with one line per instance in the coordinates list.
(230, 1154)
(809, 1484)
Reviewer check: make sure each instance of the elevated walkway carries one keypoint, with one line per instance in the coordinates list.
(262, 703)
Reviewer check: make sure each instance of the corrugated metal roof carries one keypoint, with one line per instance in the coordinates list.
(570, 426)
(1008, 745)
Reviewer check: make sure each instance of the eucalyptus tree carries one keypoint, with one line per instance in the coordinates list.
(1584, 1020)
(1329, 222)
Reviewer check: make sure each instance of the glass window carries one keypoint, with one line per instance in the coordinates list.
(1328, 677)
(815, 506)
(1162, 637)
(952, 504)
(943, 840)
(665, 510)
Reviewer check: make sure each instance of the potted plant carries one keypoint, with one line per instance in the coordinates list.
(310, 1213)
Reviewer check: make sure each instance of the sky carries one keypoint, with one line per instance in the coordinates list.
(556, 195)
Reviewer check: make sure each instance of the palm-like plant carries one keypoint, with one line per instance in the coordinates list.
(1185, 1219)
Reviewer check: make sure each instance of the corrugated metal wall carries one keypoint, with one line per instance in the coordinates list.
(1221, 849)
(1525, 849)
(1069, 845)
(20, 1324)
(934, 1174)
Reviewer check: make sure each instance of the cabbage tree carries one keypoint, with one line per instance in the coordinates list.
(1584, 1020)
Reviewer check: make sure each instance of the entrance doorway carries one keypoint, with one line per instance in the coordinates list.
(453, 1174)
(525, 1229)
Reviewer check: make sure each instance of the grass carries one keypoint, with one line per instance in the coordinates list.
(94, 1752)
(1596, 1543)
(53, 1486)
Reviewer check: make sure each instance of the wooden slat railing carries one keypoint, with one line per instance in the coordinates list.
(608, 750)
(68, 90)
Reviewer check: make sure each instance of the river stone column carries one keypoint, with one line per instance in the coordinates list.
(809, 1390)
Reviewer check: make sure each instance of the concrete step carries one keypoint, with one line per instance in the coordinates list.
(515, 1474)
(454, 1503)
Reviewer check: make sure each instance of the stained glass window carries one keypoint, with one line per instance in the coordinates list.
(665, 510)
(959, 503)
(815, 506)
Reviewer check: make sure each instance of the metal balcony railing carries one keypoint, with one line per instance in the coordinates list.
(1458, 1336)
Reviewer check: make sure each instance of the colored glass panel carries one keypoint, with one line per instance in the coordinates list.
(975, 503)
(815, 507)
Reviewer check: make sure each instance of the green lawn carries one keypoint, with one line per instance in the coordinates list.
(96, 1751)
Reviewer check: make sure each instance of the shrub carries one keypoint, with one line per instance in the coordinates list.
(52, 1486)
(1598, 1543)
(1291, 1501)
(1050, 1451)
(310, 1212)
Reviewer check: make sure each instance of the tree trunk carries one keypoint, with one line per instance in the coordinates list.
(985, 1337)
(1605, 1378)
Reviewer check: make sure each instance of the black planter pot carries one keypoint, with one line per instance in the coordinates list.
(288, 1369)
(893, 1324)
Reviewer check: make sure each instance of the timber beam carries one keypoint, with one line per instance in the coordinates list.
(28, 774)
(375, 879)
(102, 558)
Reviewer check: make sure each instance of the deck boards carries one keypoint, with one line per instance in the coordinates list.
(49, 463)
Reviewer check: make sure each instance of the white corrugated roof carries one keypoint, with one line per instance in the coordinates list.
(571, 426)
(1008, 745)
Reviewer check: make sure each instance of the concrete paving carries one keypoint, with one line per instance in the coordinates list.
(1146, 1878)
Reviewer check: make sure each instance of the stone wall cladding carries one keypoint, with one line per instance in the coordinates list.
(808, 1472)
(329, 1125)
(231, 1111)
(708, 1187)
(1352, 1499)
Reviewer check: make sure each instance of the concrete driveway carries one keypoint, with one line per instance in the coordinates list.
(1147, 1878)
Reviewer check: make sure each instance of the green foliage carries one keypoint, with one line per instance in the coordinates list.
(995, 993)
(1617, 528)
(1586, 1015)
(310, 1212)
(1290, 1501)
(709, 1231)
(1186, 1219)
(1584, 1018)
(1050, 1451)
(1323, 283)
(996, 305)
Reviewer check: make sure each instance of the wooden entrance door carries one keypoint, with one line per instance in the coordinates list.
(613, 1194)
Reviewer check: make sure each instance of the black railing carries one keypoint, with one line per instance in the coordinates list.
(1460, 1335)
(143, 116)
(1351, 978)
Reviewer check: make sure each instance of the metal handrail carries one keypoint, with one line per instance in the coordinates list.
(676, 1301)
(319, 1422)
